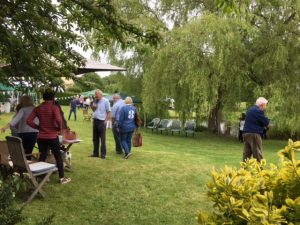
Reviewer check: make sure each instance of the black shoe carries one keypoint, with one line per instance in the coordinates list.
(95, 156)
(103, 157)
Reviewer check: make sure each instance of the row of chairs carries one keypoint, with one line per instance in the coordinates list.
(173, 125)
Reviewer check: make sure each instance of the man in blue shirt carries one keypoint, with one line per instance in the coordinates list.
(101, 115)
(115, 113)
(253, 129)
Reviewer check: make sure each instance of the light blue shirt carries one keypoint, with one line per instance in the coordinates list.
(115, 111)
(102, 109)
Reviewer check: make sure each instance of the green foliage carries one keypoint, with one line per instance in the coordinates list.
(9, 185)
(3, 97)
(88, 82)
(200, 67)
(256, 195)
(37, 36)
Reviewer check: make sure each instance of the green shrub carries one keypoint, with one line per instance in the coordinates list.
(255, 195)
(9, 186)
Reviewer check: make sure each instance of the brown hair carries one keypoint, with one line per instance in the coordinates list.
(26, 101)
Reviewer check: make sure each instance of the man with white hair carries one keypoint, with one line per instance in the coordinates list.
(101, 115)
(253, 129)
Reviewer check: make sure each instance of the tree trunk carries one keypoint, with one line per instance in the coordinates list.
(215, 115)
(183, 119)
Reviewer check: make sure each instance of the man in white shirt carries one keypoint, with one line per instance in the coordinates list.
(101, 115)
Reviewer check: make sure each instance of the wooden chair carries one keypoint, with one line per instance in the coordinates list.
(35, 169)
(4, 153)
(86, 115)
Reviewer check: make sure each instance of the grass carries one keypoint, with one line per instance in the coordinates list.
(162, 183)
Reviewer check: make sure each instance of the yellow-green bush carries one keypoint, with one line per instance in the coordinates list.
(256, 195)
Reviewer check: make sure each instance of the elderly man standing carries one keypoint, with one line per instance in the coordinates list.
(253, 129)
(101, 115)
(118, 104)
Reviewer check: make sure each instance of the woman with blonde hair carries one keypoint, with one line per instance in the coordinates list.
(127, 125)
(25, 132)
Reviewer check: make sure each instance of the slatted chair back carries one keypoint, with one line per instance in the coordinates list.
(17, 153)
(20, 162)
(4, 154)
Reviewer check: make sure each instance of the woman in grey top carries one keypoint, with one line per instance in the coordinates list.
(25, 132)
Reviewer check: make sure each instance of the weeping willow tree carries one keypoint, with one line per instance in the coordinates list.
(200, 68)
(275, 60)
(219, 60)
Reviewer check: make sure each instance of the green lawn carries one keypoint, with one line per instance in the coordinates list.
(162, 183)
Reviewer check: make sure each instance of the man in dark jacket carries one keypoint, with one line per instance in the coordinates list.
(73, 105)
(253, 129)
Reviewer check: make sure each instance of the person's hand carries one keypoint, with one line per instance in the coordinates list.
(3, 130)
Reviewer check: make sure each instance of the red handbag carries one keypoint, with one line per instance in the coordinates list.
(69, 135)
(137, 140)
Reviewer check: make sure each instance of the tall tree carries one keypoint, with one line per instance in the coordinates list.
(37, 36)
(256, 49)
(200, 68)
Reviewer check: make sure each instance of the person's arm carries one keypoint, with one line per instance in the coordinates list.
(108, 111)
(113, 113)
(14, 121)
(121, 118)
(30, 120)
(4, 128)
(94, 106)
(263, 120)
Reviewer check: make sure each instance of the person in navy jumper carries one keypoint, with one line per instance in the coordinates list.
(253, 129)
(73, 105)
(127, 125)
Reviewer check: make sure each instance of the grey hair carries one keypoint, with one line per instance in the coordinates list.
(261, 101)
(98, 90)
(117, 95)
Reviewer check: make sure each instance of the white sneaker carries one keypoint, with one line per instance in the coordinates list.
(64, 180)
(127, 156)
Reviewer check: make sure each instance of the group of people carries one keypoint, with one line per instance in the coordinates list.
(79, 102)
(125, 120)
(41, 124)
